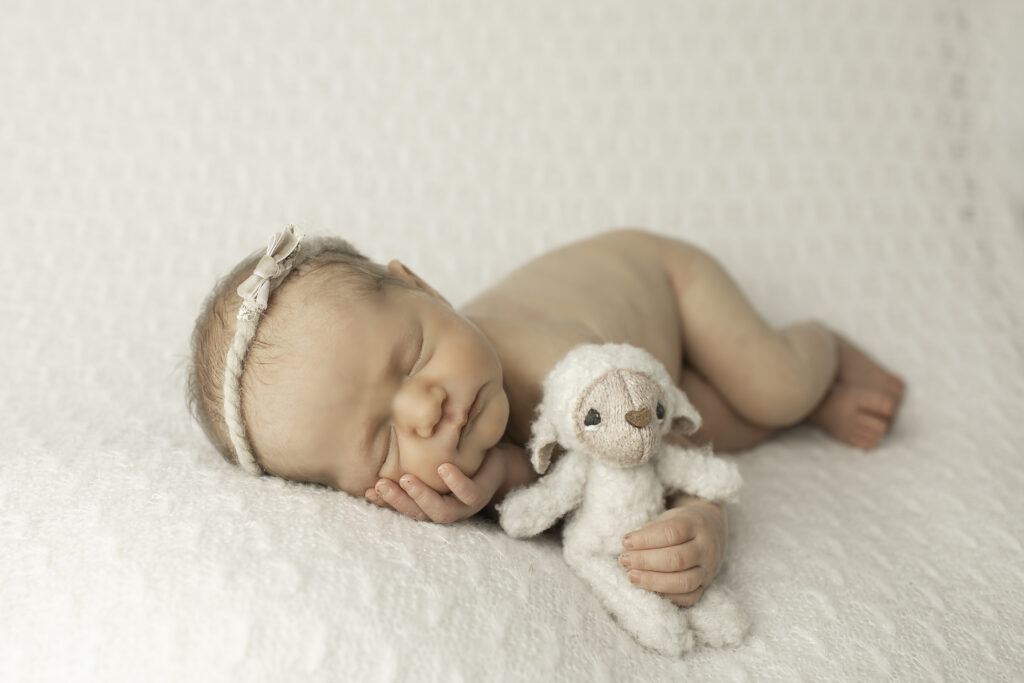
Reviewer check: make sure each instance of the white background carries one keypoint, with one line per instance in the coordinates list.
(860, 162)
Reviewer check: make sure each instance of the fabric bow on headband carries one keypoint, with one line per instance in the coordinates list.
(255, 291)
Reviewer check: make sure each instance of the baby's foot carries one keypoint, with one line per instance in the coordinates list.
(859, 369)
(862, 404)
(857, 415)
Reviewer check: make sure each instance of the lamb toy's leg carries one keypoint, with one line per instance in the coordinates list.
(717, 618)
(652, 620)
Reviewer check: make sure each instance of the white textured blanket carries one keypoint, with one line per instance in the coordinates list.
(860, 162)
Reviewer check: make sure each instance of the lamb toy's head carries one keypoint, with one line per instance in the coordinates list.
(613, 401)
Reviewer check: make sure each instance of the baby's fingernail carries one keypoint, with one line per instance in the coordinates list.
(628, 542)
(443, 470)
(381, 488)
(406, 482)
(634, 578)
(624, 561)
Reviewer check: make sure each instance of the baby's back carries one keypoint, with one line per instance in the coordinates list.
(612, 288)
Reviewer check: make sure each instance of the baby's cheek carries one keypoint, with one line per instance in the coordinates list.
(495, 420)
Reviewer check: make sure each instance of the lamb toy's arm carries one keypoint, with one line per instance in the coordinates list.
(697, 472)
(529, 510)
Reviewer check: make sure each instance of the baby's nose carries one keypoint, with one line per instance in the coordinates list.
(420, 409)
(639, 418)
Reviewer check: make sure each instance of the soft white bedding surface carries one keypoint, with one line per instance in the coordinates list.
(860, 162)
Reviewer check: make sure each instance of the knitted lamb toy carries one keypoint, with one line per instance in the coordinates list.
(607, 407)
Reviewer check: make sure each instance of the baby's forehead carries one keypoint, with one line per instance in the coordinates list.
(316, 365)
(314, 322)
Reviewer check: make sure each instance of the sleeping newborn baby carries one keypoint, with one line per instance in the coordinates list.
(313, 363)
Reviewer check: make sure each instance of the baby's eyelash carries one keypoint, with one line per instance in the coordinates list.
(391, 428)
(419, 354)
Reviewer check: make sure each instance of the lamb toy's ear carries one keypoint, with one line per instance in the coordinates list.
(543, 442)
(685, 417)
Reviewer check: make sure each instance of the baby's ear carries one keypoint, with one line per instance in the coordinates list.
(685, 417)
(403, 272)
(543, 442)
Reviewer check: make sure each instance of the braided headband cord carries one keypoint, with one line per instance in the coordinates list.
(286, 250)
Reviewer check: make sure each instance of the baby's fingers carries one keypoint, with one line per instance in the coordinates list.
(668, 583)
(374, 497)
(475, 492)
(675, 559)
(674, 527)
(437, 508)
(399, 500)
(461, 486)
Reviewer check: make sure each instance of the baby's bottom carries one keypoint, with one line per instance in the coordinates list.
(749, 380)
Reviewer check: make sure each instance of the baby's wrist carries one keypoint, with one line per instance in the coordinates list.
(679, 499)
(710, 510)
(518, 471)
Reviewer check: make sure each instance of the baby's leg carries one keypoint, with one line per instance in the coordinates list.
(751, 380)
(858, 408)
(721, 426)
(771, 378)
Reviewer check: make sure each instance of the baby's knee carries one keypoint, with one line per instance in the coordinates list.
(780, 404)
(788, 391)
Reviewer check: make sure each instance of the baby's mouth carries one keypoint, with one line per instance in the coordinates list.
(475, 409)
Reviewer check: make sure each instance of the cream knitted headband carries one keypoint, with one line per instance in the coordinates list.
(287, 249)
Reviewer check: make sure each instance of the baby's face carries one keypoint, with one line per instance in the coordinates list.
(361, 388)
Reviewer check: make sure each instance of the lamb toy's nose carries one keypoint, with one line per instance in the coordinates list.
(638, 418)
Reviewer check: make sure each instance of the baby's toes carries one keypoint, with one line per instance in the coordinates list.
(868, 430)
(883, 405)
(894, 387)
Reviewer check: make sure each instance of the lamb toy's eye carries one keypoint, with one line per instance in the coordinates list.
(593, 418)
(660, 411)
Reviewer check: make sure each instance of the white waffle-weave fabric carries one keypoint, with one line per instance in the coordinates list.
(860, 162)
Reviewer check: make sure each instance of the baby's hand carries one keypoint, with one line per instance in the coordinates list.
(468, 496)
(679, 553)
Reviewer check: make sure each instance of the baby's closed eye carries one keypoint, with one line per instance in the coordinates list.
(419, 353)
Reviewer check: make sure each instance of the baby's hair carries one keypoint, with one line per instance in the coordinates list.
(215, 327)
